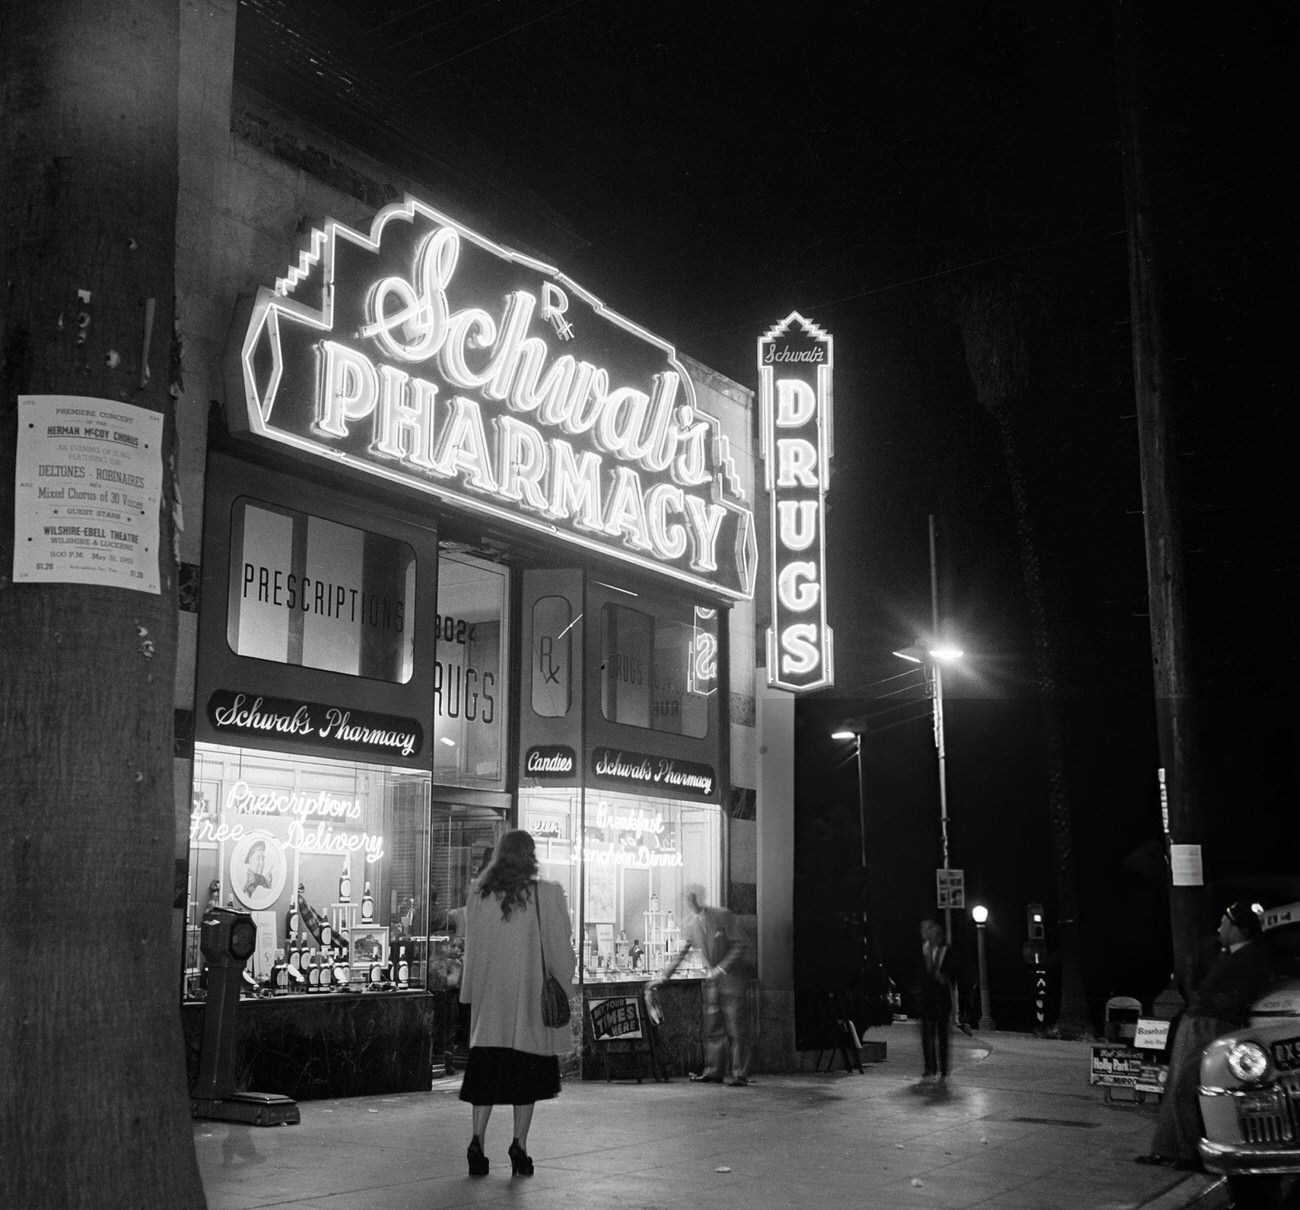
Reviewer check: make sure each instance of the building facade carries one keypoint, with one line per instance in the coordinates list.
(465, 548)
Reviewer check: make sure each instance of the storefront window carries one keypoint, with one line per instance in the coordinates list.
(331, 860)
(659, 669)
(469, 677)
(628, 875)
(316, 594)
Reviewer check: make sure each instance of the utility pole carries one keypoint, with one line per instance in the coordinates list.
(1176, 720)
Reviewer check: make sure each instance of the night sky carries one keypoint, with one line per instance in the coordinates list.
(868, 165)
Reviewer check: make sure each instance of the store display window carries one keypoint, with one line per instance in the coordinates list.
(660, 669)
(470, 673)
(625, 861)
(330, 858)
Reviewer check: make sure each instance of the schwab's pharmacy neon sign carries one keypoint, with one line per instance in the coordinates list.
(794, 374)
(430, 356)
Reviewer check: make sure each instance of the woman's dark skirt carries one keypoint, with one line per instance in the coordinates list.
(497, 1075)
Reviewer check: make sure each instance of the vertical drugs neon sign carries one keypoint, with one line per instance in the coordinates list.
(794, 372)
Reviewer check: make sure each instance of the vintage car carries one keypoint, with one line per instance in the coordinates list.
(1250, 1085)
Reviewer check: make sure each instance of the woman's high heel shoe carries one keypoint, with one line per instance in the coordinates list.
(478, 1162)
(521, 1163)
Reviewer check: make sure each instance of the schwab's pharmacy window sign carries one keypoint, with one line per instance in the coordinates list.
(256, 716)
(430, 356)
(630, 770)
(88, 480)
(794, 374)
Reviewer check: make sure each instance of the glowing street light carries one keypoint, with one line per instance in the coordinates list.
(980, 914)
(856, 737)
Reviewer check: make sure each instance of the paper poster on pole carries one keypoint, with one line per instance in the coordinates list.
(88, 481)
(1185, 865)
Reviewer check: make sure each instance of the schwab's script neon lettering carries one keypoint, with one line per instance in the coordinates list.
(413, 322)
(442, 382)
(794, 364)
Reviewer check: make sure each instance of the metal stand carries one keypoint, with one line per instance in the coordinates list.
(228, 939)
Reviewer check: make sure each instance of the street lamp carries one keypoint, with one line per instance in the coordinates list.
(856, 737)
(932, 660)
(980, 914)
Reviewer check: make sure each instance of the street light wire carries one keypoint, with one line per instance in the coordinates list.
(424, 71)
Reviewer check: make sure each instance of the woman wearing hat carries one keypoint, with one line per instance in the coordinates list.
(1219, 1005)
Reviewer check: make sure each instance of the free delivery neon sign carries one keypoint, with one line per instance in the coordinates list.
(794, 374)
(430, 356)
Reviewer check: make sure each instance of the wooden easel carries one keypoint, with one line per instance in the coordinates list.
(847, 1043)
(622, 1033)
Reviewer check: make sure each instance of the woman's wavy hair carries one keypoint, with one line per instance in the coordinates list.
(511, 872)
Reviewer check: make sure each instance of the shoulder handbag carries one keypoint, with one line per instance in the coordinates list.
(555, 1001)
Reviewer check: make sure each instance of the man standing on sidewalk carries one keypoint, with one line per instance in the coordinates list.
(728, 1012)
(1219, 1005)
(936, 999)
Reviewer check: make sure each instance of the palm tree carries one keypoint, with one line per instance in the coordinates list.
(997, 318)
(96, 1112)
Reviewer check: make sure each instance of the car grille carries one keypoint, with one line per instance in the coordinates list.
(1271, 1115)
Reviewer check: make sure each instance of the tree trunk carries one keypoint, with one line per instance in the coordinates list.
(994, 321)
(96, 1112)
(1073, 1015)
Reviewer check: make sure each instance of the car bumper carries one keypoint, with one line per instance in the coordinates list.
(1244, 1159)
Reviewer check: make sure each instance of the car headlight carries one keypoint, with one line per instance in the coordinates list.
(1248, 1061)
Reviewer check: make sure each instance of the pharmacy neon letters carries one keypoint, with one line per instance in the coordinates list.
(427, 355)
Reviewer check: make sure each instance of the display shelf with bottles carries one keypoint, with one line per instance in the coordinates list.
(662, 937)
(318, 852)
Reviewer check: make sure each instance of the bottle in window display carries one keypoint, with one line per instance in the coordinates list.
(367, 905)
(311, 918)
(326, 936)
(345, 880)
(295, 921)
(280, 972)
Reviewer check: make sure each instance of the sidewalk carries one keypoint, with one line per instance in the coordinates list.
(1017, 1128)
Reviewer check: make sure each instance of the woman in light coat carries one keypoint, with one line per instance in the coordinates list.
(511, 915)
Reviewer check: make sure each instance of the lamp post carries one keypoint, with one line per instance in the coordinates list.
(870, 950)
(932, 660)
(856, 737)
(980, 914)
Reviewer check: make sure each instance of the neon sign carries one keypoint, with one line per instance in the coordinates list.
(425, 354)
(794, 374)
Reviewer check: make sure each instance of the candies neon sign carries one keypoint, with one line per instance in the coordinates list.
(794, 373)
(427, 355)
